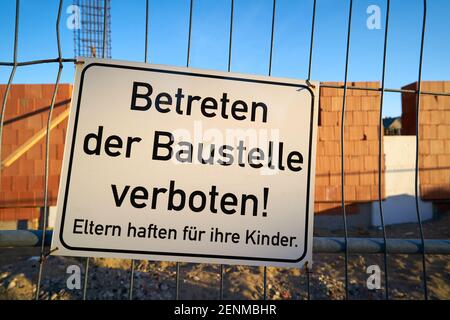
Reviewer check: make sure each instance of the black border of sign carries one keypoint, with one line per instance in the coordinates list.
(66, 192)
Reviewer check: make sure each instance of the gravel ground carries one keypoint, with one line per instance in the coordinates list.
(109, 278)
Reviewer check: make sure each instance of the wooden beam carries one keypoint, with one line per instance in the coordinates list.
(20, 151)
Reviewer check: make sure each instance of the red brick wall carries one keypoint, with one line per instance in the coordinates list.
(22, 183)
(360, 143)
(434, 137)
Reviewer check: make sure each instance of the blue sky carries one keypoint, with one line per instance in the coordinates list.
(168, 33)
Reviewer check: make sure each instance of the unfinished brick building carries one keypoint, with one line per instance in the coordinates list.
(434, 138)
(360, 147)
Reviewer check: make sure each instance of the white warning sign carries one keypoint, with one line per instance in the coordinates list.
(180, 164)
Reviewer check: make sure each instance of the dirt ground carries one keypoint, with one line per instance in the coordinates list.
(109, 278)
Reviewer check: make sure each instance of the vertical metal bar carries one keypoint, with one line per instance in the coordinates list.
(188, 59)
(230, 46)
(91, 15)
(83, 30)
(47, 153)
(146, 31)
(11, 76)
(221, 282)
(130, 292)
(272, 37)
(75, 32)
(177, 286)
(265, 284)
(344, 214)
(86, 30)
(177, 279)
(105, 34)
(380, 154)
(416, 180)
(228, 69)
(308, 282)
(311, 46)
(96, 24)
(86, 276)
(270, 73)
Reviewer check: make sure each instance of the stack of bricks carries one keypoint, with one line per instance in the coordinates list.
(360, 143)
(22, 183)
(434, 137)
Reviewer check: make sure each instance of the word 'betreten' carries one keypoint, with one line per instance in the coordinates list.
(143, 99)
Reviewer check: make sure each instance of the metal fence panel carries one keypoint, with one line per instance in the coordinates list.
(344, 245)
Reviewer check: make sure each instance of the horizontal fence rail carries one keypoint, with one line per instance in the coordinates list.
(33, 238)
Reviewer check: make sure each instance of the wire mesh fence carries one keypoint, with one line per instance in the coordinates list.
(345, 245)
